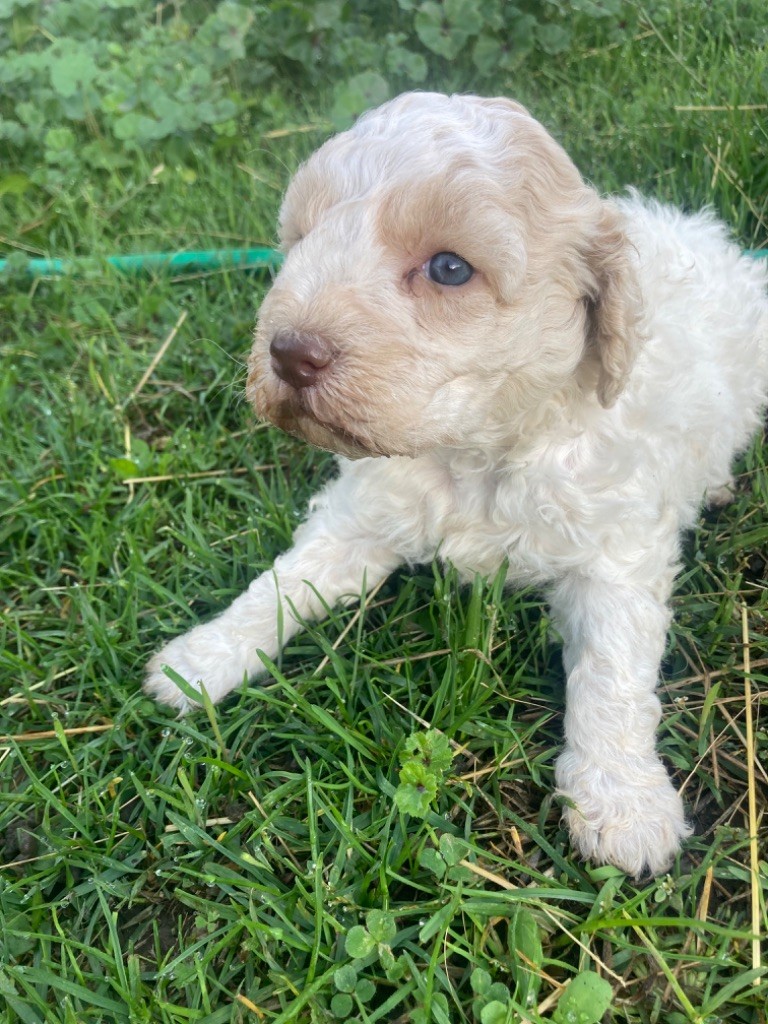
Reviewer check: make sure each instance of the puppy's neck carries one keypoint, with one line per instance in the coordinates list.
(517, 432)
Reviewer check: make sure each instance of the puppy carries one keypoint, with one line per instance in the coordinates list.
(513, 370)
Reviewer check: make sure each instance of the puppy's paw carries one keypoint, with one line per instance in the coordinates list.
(205, 655)
(634, 820)
(718, 496)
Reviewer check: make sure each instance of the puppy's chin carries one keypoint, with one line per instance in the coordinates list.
(327, 437)
(300, 423)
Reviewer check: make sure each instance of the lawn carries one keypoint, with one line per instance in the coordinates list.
(251, 863)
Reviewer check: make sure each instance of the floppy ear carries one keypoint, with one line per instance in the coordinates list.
(613, 304)
(569, 223)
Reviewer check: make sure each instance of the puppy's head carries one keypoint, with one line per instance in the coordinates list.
(446, 272)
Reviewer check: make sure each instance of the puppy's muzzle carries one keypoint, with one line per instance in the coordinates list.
(299, 359)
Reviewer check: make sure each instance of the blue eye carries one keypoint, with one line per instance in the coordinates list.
(448, 268)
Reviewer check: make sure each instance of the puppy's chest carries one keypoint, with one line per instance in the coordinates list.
(540, 521)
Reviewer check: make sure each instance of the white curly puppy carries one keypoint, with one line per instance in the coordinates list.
(512, 369)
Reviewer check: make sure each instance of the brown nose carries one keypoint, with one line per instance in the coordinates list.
(299, 359)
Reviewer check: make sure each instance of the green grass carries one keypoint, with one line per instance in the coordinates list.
(165, 871)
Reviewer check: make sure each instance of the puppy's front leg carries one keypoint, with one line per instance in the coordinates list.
(331, 559)
(623, 808)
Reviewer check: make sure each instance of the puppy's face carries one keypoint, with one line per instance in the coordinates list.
(446, 271)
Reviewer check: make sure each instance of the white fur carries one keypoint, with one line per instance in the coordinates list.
(567, 410)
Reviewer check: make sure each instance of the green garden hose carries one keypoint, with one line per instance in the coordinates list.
(151, 262)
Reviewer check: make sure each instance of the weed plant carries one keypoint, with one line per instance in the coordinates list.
(267, 861)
